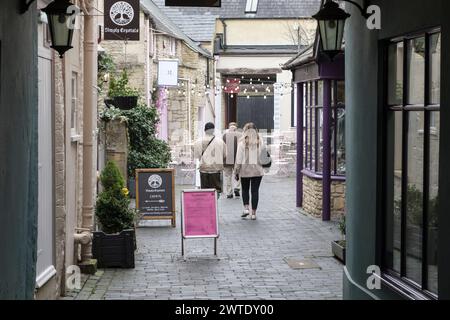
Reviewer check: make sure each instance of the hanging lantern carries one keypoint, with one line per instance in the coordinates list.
(331, 19)
(60, 20)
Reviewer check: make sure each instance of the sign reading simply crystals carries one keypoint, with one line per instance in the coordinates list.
(122, 20)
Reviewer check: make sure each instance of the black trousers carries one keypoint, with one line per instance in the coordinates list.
(211, 181)
(253, 184)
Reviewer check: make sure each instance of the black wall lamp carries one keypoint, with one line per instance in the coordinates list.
(331, 19)
(25, 5)
(60, 14)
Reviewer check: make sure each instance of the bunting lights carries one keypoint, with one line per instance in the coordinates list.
(240, 85)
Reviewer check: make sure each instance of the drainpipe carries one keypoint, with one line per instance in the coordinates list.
(224, 33)
(89, 127)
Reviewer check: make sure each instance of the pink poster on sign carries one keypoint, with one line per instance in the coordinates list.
(200, 214)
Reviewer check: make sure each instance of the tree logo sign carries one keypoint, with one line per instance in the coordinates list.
(122, 13)
(155, 181)
(122, 20)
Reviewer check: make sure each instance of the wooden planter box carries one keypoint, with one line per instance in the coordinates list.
(338, 249)
(114, 250)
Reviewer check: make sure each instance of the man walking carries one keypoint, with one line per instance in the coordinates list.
(231, 139)
(211, 151)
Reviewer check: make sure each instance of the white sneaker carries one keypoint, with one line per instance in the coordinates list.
(245, 213)
(253, 217)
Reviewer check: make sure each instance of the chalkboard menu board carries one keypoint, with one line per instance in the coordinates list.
(155, 194)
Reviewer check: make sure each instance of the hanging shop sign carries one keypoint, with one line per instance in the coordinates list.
(199, 216)
(193, 3)
(155, 194)
(168, 73)
(122, 20)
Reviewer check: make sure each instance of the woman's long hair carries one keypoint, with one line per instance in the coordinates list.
(250, 135)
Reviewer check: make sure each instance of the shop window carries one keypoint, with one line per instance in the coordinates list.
(412, 162)
(313, 101)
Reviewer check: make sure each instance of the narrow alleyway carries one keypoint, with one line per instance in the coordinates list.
(252, 257)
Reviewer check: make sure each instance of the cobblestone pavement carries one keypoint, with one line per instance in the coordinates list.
(251, 262)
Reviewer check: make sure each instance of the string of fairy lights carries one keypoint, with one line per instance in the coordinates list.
(243, 86)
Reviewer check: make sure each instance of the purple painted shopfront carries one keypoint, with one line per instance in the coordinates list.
(320, 104)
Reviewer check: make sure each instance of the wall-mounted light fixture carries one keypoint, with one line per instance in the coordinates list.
(60, 16)
(331, 19)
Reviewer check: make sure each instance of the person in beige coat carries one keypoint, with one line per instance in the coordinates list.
(212, 152)
(249, 168)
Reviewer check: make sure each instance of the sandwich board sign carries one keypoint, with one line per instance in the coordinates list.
(199, 216)
(155, 194)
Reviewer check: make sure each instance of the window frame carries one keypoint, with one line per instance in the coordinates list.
(312, 126)
(251, 6)
(398, 281)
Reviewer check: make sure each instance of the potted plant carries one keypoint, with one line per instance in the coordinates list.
(121, 94)
(338, 247)
(115, 244)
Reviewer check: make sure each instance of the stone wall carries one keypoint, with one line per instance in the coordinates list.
(132, 56)
(312, 197)
(192, 66)
(116, 137)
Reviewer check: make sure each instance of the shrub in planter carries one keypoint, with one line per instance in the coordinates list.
(114, 246)
(338, 247)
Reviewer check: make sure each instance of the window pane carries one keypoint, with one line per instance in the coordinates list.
(320, 140)
(432, 249)
(395, 74)
(414, 196)
(320, 94)
(341, 142)
(307, 138)
(340, 92)
(416, 71)
(435, 68)
(393, 220)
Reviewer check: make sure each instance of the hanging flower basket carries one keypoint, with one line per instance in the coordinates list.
(125, 102)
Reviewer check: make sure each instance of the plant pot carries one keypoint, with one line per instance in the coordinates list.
(338, 249)
(109, 103)
(125, 102)
(114, 250)
(132, 187)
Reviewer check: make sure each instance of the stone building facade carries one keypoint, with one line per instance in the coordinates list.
(183, 109)
(60, 216)
(190, 104)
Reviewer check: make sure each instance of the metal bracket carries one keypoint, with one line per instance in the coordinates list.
(25, 5)
(361, 8)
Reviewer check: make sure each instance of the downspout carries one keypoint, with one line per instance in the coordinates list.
(224, 33)
(89, 128)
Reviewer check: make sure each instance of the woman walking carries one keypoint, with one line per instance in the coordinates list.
(249, 168)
